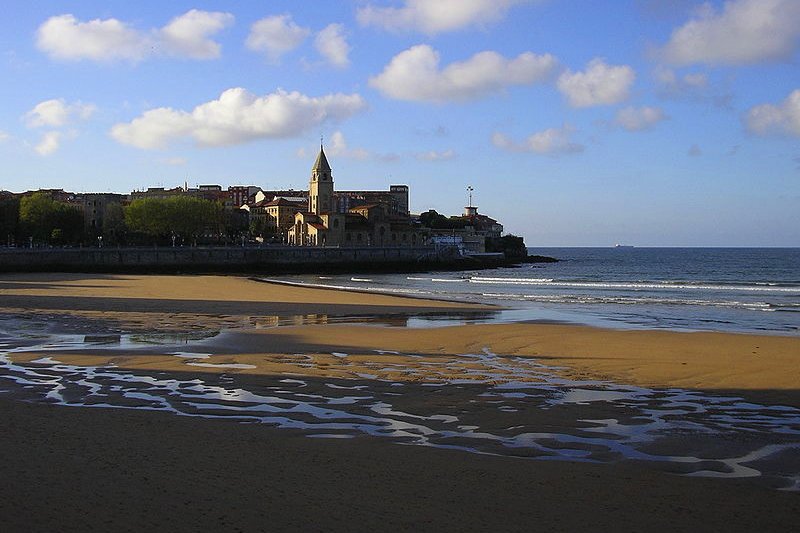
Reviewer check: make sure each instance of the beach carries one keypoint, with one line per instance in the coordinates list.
(206, 389)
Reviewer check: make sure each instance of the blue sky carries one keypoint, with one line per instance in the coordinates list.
(577, 122)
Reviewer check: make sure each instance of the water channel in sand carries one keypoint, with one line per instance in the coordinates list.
(499, 405)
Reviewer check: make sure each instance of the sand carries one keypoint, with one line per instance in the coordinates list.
(702, 360)
(75, 469)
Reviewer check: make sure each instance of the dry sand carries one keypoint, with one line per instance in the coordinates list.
(73, 469)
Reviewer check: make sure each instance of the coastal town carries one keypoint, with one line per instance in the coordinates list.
(320, 216)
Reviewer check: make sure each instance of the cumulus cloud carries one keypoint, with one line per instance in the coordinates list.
(552, 141)
(435, 16)
(49, 144)
(56, 113)
(64, 37)
(783, 118)
(638, 119)
(414, 75)
(331, 42)
(599, 84)
(276, 35)
(337, 147)
(188, 35)
(433, 155)
(237, 116)
(743, 32)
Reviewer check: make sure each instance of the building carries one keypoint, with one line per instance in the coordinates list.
(382, 223)
(396, 199)
(99, 207)
(469, 232)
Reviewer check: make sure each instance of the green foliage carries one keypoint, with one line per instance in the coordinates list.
(432, 219)
(257, 226)
(47, 220)
(114, 228)
(9, 220)
(184, 216)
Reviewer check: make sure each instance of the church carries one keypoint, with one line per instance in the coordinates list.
(372, 224)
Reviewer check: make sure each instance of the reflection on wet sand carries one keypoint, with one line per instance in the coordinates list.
(115, 322)
(476, 402)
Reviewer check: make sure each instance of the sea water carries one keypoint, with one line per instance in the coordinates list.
(727, 289)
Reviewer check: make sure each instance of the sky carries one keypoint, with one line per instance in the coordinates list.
(576, 122)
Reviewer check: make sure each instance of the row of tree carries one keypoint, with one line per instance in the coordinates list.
(38, 219)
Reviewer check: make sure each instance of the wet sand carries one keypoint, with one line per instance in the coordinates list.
(75, 468)
(70, 469)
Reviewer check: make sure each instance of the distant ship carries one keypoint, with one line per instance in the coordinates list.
(618, 245)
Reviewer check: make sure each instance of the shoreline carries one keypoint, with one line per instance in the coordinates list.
(701, 360)
(196, 413)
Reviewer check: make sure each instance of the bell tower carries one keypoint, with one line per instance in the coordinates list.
(320, 187)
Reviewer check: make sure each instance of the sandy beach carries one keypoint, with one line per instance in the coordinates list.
(339, 348)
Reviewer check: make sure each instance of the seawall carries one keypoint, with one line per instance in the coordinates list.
(269, 259)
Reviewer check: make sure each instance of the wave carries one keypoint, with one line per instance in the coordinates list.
(357, 288)
(638, 285)
(574, 299)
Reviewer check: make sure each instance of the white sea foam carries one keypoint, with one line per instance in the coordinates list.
(621, 300)
(634, 285)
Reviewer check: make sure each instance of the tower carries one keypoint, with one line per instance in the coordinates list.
(320, 187)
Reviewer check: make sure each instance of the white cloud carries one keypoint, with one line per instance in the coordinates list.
(599, 84)
(331, 42)
(237, 116)
(4, 136)
(188, 35)
(433, 155)
(64, 37)
(337, 147)
(745, 31)
(414, 75)
(638, 119)
(435, 16)
(56, 113)
(50, 142)
(671, 84)
(552, 141)
(276, 36)
(783, 118)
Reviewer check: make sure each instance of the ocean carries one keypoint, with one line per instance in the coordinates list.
(725, 289)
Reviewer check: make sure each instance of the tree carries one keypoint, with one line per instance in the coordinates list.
(9, 220)
(47, 220)
(432, 219)
(114, 228)
(184, 216)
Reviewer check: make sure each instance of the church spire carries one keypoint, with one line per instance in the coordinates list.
(321, 164)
